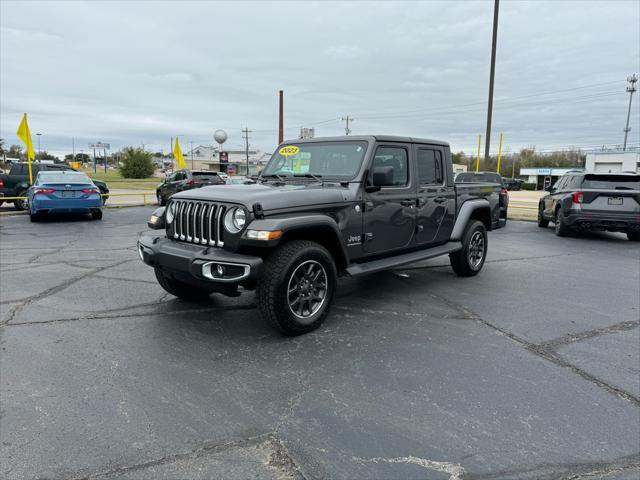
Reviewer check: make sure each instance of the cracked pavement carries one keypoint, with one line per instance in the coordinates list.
(530, 370)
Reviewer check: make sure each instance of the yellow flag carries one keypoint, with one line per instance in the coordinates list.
(177, 153)
(25, 135)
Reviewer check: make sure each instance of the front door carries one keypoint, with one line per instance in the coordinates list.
(436, 201)
(389, 214)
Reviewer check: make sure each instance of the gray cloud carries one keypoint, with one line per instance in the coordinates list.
(134, 72)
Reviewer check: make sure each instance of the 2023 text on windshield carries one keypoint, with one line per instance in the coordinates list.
(326, 160)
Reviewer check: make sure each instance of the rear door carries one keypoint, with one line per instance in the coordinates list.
(389, 214)
(435, 200)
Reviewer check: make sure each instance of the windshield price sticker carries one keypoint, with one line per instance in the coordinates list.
(288, 150)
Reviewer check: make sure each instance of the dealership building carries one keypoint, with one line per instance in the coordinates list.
(613, 162)
(598, 162)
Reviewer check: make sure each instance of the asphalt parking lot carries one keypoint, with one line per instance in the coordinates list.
(530, 370)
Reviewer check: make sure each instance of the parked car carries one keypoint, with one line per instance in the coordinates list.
(16, 182)
(364, 204)
(64, 191)
(488, 177)
(581, 201)
(237, 180)
(512, 183)
(182, 180)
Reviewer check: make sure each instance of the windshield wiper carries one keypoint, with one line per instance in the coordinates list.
(317, 178)
(273, 175)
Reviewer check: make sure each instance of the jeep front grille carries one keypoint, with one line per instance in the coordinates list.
(199, 222)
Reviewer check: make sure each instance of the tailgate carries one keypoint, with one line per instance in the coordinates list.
(611, 201)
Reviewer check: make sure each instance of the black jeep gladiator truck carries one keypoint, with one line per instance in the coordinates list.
(16, 182)
(321, 208)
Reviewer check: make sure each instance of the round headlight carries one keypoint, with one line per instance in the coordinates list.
(235, 220)
(171, 212)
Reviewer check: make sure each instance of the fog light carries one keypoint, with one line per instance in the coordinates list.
(220, 270)
(140, 252)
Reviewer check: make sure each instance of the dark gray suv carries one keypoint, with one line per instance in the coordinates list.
(593, 201)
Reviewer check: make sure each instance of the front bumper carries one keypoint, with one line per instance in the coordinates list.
(628, 222)
(202, 266)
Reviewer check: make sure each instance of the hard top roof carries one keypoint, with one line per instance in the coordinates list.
(370, 138)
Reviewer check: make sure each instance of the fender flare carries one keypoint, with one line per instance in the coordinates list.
(466, 210)
(301, 222)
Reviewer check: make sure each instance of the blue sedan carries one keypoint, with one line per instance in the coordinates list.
(63, 192)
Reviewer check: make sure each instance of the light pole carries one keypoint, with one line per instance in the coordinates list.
(39, 155)
(492, 74)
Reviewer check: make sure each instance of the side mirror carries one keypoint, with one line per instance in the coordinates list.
(549, 188)
(156, 222)
(383, 176)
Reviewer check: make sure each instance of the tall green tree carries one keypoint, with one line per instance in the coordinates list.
(136, 163)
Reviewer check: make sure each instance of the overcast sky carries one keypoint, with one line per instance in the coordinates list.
(140, 72)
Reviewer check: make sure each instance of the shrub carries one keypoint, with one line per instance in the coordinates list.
(136, 163)
(528, 186)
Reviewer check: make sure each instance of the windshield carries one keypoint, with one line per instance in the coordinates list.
(611, 182)
(340, 160)
(59, 177)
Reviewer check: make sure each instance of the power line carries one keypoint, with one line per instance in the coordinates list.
(480, 106)
(538, 94)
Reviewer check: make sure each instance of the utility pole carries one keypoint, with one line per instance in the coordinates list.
(171, 154)
(347, 119)
(73, 148)
(39, 154)
(245, 134)
(280, 117)
(191, 148)
(632, 79)
(491, 78)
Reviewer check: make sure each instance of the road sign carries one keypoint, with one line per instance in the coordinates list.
(224, 157)
(100, 145)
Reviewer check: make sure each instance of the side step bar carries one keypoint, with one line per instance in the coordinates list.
(396, 261)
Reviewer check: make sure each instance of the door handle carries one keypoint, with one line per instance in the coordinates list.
(408, 203)
(440, 199)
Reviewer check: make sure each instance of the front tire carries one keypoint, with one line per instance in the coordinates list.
(542, 222)
(633, 236)
(468, 261)
(180, 289)
(296, 287)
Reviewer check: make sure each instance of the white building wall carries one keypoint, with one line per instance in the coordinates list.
(613, 162)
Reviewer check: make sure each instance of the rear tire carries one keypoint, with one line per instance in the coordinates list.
(34, 217)
(633, 236)
(180, 289)
(21, 204)
(542, 223)
(296, 287)
(96, 214)
(468, 261)
(561, 228)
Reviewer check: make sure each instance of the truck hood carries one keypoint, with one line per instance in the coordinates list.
(270, 196)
